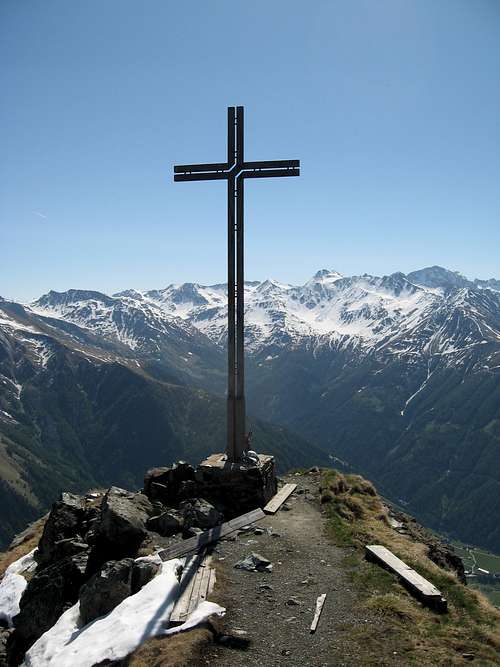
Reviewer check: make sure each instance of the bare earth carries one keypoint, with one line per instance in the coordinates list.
(305, 564)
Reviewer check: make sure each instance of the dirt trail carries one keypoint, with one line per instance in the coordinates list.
(305, 564)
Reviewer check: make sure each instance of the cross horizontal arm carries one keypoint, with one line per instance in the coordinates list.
(271, 164)
(209, 176)
(194, 168)
(267, 173)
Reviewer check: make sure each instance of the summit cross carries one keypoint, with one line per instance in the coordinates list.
(235, 171)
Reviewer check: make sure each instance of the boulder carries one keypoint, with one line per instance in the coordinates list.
(48, 594)
(61, 528)
(109, 586)
(122, 523)
(142, 573)
(167, 523)
(199, 513)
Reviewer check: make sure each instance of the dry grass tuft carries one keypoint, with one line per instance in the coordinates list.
(179, 650)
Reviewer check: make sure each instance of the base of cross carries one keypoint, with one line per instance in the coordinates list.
(237, 488)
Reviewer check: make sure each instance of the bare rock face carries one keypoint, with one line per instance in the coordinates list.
(109, 586)
(199, 513)
(49, 593)
(122, 523)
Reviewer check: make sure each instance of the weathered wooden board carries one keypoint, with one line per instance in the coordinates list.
(320, 603)
(418, 585)
(197, 583)
(277, 501)
(194, 544)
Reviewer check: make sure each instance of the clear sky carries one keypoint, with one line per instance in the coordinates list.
(393, 107)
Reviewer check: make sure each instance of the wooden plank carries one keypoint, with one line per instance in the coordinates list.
(417, 584)
(277, 501)
(194, 544)
(196, 584)
(188, 581)
(320, 603)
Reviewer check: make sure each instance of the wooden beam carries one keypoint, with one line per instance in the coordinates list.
(194, 544)
(416, 584)
(277, 501)
(320, 602)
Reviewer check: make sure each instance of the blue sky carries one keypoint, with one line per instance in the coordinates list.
(391, 105)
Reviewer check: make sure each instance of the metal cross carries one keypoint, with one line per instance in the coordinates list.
(235, 170)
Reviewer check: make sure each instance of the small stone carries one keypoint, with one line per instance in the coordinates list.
(265, 587)
(258, 531)
(293, 602)
(254, 563)
(285, 508)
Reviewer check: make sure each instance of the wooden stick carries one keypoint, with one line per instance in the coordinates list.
(319, 608)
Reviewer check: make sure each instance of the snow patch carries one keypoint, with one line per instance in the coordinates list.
(12, 587)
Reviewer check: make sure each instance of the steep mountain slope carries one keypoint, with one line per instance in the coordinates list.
(74, 414)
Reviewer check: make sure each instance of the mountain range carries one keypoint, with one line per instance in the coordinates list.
(397, 377)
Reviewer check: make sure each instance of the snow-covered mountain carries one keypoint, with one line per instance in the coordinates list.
(429, 312)
(399, 374)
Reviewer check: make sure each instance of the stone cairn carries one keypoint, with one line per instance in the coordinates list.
(89, 543)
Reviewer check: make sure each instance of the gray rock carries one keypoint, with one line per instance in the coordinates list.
(170, 485)
(254, 563)
(122, 525)
(167, 523)
(293, 601)
(109, 586)
(142, 573)
(63, 524)
(48, 594)
(4, 638)
(200, 513)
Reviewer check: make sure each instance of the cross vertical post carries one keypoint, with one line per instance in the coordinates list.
(234, 171)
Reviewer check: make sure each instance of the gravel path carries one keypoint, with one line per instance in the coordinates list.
(275, 621)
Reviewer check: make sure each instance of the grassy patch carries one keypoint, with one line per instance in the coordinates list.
(356, 517)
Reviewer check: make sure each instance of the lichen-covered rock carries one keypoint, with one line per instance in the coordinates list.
(109, 586)
(199, 513)
(122, 523)
(48, 594)
(167, 523)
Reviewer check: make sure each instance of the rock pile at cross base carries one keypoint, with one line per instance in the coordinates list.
(88, 546)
